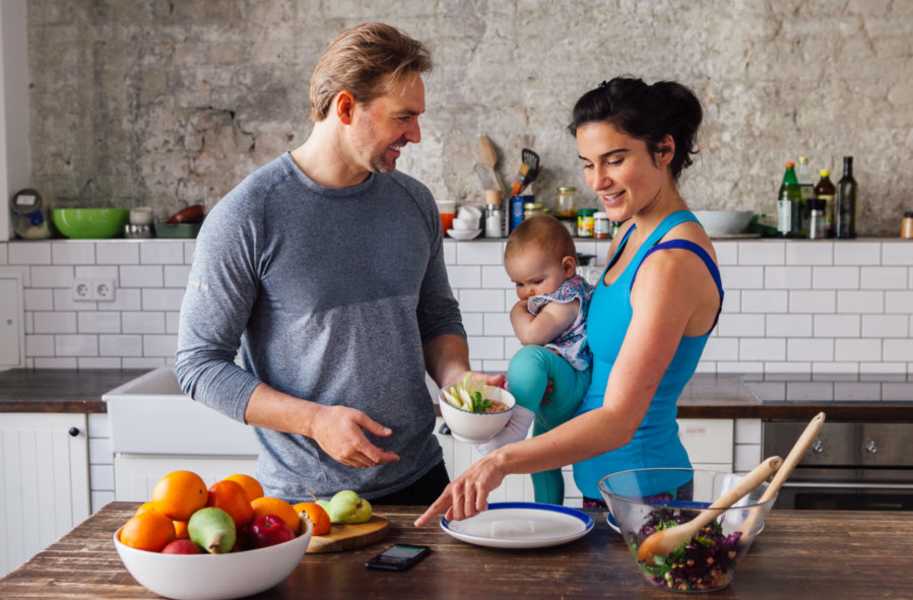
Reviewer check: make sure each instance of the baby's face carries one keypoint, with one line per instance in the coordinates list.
(535, 273)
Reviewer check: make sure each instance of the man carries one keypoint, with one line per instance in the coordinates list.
(326, 266)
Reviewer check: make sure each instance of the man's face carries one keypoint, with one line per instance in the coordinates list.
(383, 126)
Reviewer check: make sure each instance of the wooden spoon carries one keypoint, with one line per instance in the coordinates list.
(792, 459)
(664, 541)
(489, 158)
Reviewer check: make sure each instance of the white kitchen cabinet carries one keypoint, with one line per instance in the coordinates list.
(12, 330)
(135, 474)
(44, 482)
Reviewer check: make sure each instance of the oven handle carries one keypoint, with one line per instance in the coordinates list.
(849, 484)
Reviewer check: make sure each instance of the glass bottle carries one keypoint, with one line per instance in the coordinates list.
(824, 194)
(806, 178)
(845, 209)
(789, 204)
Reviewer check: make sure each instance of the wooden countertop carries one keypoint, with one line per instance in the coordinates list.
(807, 554)
(60, 390)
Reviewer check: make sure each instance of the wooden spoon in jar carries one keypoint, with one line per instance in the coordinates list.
(489, 158)
(792, 459)
(664, 541)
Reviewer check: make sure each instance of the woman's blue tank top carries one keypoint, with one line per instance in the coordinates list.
(656, 442)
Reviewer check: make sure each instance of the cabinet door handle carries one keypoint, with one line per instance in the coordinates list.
(443, 429)
(74, 431)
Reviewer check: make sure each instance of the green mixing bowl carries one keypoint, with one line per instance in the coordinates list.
(90, 223)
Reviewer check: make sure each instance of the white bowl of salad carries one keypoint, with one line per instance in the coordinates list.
(475, 412)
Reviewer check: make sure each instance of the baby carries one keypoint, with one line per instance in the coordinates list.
(549, 319)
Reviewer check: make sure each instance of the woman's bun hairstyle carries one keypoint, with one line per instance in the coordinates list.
(645, 112)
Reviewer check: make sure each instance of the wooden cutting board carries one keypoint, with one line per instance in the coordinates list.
(350, 537)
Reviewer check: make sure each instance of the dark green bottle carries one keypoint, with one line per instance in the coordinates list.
(845, 209)
(789, 204)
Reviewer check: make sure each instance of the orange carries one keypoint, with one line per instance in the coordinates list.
(179, 494)
(231, 497)
(180, 530)
(316, 515)
(251, 486)
(145, 507)
(278, 507)
(148, 531)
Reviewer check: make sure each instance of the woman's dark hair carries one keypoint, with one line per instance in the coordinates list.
(645, 112)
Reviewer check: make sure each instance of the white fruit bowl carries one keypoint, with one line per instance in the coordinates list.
(476, 428)
(214, 576)
(723, 222)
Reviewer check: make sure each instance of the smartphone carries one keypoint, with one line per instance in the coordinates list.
(398, 557)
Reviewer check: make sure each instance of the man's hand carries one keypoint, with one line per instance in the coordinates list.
(467, 495)
(338, 431)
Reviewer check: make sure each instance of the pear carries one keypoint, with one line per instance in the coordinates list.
(363, 512)
(343, 505)
(213, 529)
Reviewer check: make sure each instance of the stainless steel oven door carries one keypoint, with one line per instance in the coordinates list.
(846, 495)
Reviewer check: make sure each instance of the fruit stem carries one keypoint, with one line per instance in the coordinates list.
(215, 543)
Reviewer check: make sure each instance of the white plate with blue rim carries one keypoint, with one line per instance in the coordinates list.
(521, 525)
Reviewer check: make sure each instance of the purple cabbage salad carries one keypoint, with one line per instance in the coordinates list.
(704, 563)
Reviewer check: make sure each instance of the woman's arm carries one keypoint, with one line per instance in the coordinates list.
(664, 302)
(545, 326)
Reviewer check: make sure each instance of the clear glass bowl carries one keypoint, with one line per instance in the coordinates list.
(642, 501)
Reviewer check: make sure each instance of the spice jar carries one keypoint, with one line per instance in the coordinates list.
(585, 222)
(531, 209)
(601, 227)
(906, 225)
(564, 206)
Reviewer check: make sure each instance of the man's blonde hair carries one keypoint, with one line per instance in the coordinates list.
(358, 61)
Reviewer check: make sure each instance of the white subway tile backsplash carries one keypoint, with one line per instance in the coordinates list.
(788, 278)
(789, 368)
(898, 350)
(885, 326)
(897, 253)
(805, 253)
(97, 272)
(473, 323)
(120, 345)
(809, 391)
(141, 276)
(449, 253)
(789, 326)
(124, 299)
(732, 301)
(857, 253)
(747, 457)
(498, 324)
(762, 349)
(73, 253)
(480, 253)
(142, 322)
(172, 320)
(29, 253)
(4, 254)
(486, 347)
(835, 368)
(63, 300)
(495, 366)
(98, 362)
(76, 345)
(748, 431)
(150, 362)
(762, 253)
(739, 367)
(705, 367)
(898, 302)
(897, 392)
(481, 300)
(38, 299)
(163, 299)
(860, 302)
(727, 253)
(882, 368)
(810, 349)
(836, 326)
(765, 301)
(99, 322)
(29, 325)
(56, 363)
(494, 277)
(744, 278)
(718, 348)
(855, 391)
(160, 345)
(50, 277)
(816, 301)
(55, 322)
(741, 325)
(884, 278)
(461, 276)
(857, 350)
(511, 346)
(162, 253)
(117, 253)
(176, 275)
(835, 278)
(39, 345)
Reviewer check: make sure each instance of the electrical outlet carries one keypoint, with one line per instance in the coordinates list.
(93, 290)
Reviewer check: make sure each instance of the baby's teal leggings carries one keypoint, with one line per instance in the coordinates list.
(528, 375)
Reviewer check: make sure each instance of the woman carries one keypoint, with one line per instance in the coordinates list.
(652, 312)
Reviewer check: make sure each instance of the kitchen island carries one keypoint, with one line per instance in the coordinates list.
(804, 554)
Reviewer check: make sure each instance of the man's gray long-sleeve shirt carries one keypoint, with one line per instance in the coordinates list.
(330, 294)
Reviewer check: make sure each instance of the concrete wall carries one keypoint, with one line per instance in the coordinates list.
(168, 103)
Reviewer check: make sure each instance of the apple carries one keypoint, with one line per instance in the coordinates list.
(269, 530)
(182, 546)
